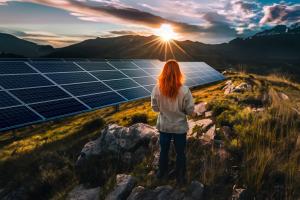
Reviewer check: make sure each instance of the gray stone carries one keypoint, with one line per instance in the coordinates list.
(208, 114)
(210, 134)
(203, 123)
(194, 191)
(82, 193)
(124, 185)
(238, 193)
(242, 87)
(130, 142)
(200, 108)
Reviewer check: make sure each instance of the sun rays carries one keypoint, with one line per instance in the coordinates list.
(165, 44)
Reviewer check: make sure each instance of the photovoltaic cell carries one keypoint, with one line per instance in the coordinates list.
(123, 65)
(108, 75)
(86, 88)
(15, 68)
(145, 80)
(93, 66)
(14, 116)
(54, 89)
(33, 95)
(134, 93)
(121, 84)
(58, 108)
(7, 100)
(22, 81)
(147, 64)
(134, 72)
(75, 77)
(101, 100)
(48, 67)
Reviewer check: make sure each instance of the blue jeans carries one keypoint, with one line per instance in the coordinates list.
(180, 146)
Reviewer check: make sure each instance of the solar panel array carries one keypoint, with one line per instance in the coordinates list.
(37, 90)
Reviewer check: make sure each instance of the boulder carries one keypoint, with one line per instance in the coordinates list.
(242, 87)
(194, 191)
(124, 185)
(238, 193)
(203, 123)
(82, 193)
(228, 88)
(200, 108)
(126, 146)
(167, 192)
(210, 134)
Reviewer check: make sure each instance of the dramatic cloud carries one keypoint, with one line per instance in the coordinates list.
(281, 14)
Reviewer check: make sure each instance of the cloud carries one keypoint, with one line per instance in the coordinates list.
(281, 14)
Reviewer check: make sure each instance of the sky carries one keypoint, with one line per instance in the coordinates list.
(64, 22)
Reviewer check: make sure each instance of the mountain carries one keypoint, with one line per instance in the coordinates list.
(14, 45)
(272, 50)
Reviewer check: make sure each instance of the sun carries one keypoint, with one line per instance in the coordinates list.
(165, 32)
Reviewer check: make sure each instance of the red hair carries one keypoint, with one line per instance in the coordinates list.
(170, 79)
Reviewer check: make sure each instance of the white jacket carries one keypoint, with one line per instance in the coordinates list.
(172, 113)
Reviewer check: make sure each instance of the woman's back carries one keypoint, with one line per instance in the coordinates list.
(172, 112)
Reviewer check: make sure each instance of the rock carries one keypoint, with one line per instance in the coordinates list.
(283, 96)
(208, 114)
(194, 191)
(242, 87)
(125, 184)
(203, 123)
(127, 145)
(200, 108)
(167, 192)
(238, 193)
(136, 193)
(229, 86)
(82, 193)
(210, 134)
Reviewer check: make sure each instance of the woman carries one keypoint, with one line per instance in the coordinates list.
(173, 101)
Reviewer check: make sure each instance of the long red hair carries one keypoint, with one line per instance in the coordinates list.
(170, 79)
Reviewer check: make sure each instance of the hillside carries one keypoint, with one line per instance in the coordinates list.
(243, 144)
(13, 45)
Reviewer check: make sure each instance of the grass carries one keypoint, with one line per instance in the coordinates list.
(38, 161)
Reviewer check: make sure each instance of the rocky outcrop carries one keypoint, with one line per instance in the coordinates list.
(200, 108)
(82, 193)
(126, 146)
(124, 185)
(166, 192)
(230, 87)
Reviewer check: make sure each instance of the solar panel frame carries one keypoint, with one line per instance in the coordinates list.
(138, 82)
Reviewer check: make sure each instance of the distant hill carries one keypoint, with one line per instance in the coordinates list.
(13, 45)
(275, 49)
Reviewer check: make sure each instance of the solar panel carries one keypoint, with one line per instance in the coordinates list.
(7, 100)
(22, 81)
(36, 90)
(32, 95)
(47, 67)
(74, 77)
(15, 68)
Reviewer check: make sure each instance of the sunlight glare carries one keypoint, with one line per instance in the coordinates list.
(165, 32)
